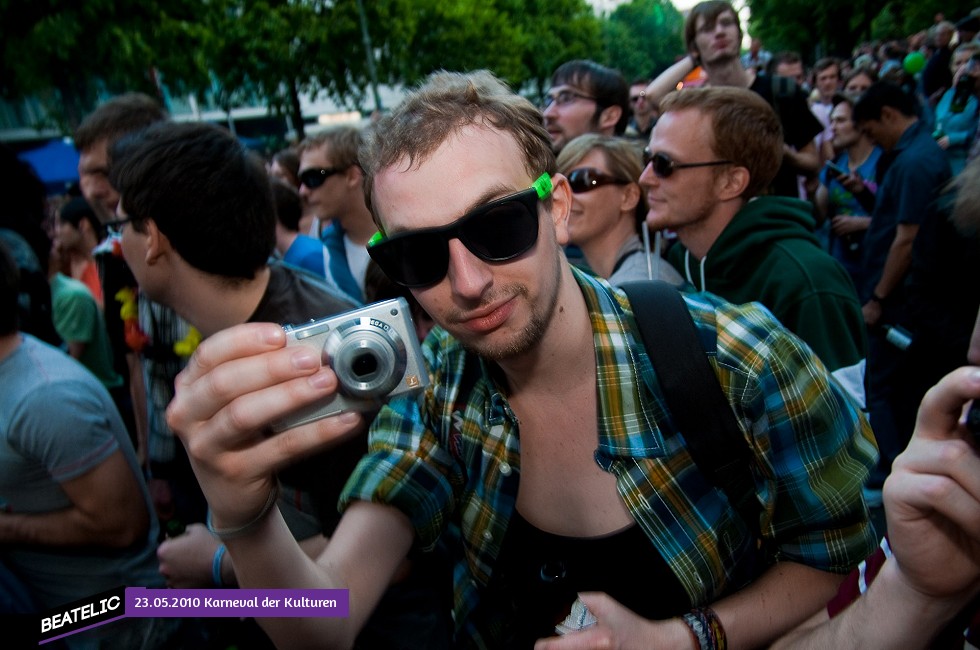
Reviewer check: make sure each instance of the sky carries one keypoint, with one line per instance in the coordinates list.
(609, 5)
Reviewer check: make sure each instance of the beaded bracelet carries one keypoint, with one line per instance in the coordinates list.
(216, 566)
(707, 628)
(232, 533)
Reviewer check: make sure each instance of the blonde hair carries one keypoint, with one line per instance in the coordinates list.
(622, 159)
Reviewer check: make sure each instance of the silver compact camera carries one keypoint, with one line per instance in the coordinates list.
(374, 352)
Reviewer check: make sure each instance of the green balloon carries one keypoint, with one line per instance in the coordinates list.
(914, 62)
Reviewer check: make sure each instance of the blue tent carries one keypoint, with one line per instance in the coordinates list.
(56, 164)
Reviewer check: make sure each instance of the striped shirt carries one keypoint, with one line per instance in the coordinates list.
(450, 460)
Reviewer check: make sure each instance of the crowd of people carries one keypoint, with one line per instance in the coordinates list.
(817, 226)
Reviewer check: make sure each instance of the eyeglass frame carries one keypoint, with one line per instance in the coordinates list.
(324, 174)
(114, 227)
(598, 178)
(672, 165)
(571, 96)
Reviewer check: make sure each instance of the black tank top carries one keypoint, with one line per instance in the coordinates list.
(538, 575)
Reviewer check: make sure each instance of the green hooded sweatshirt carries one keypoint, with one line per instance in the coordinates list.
(769, 254)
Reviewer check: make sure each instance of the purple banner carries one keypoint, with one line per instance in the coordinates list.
(266, 603)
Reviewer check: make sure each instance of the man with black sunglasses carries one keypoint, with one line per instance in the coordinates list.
(542, 455)
(330, 187)
(710, 155)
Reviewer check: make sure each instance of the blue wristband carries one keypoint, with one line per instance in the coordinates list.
(216, 566)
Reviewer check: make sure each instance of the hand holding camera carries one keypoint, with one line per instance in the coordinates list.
(242, 380)
(374, 353)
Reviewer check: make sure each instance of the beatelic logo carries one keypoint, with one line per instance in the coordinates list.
(83, 614)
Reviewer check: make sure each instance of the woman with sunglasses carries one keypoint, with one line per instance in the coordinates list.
(609, 211)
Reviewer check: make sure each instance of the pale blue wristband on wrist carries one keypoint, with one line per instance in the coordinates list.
(216, 566)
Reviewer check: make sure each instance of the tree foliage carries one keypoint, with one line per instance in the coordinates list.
(836, 27)
(643, 37)
(71, 53)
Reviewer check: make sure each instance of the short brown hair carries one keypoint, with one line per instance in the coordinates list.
(344, 143)
(117, 117)
(710, 10)
(441, 107)
(745, 129)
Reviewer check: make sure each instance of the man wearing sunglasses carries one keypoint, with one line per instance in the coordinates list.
(330, 187)
(585, 97)
(542, 455)
(713, 151)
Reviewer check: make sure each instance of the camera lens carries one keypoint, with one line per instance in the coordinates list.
(364, 365)
(368, 356)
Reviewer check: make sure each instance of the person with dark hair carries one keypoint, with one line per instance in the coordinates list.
(81, 326)
(789, 64)
(77, 517)
(542, 455)
(826, 84)
(609, 210)
(847, 189)
(77, 232)
(643, 111)
(294, 247)
(142, 339)
(112, 120)
(858, 80)
(21, 230)
(711, 154)
(585, 97)
(936, 75)
(910, 175)
(285, 166)
(186, 191)
(712, 38)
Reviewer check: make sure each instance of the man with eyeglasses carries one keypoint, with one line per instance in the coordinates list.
(330, 187)
(585, 97)
(542, 455)
(711, 154)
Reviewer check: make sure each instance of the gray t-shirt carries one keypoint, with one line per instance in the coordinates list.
(57, 422)
(631, 264)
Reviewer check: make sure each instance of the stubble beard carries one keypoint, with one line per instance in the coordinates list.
(531, 334)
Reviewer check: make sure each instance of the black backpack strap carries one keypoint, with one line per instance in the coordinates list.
(695, 399)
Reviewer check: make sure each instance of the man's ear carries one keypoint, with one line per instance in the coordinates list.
(888, 115)
(610, 117)
(733, 182)
(561, 207)
(157, 244)
(354, 177)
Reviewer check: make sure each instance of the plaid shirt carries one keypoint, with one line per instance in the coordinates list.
(452, 458)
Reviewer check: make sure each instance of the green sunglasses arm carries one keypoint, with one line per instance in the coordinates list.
(543, 185)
